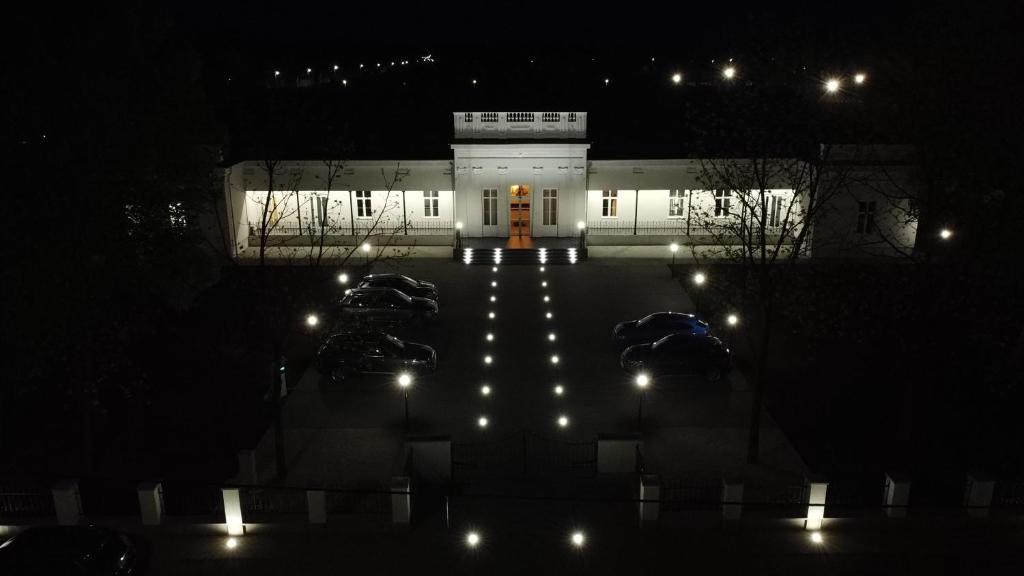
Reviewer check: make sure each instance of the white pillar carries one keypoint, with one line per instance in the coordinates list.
(401, 500)
(316, 500)
(66, 502)
(978, 497)
(732, 498)
(650, 494)
(151, 503)
(897, 495)
(233, 511)
(816, 490)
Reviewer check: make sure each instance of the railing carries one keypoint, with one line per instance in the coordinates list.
(690, 494)
(361, 228)
(520, 125)
(673, 227)
(21, 501)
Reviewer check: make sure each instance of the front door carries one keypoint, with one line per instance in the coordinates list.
(519, 211)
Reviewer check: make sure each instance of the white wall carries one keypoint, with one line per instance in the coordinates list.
(539, 166)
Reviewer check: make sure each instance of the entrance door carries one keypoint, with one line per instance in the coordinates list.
(519, 212)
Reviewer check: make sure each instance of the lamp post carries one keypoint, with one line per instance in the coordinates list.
(582, 227)
(366, 252)
(673, 248)
(458, 235)
(405, 382)
(698, 280)
(642, 381)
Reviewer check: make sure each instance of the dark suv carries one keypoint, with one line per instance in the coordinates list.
(656, 326)
(400, 282)
(679, 354)
(385, 307)
(372, 352)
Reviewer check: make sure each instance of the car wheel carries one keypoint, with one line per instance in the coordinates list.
(713, 374)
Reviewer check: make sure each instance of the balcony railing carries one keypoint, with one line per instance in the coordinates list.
(507, 125)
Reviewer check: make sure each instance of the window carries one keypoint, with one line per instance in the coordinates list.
(491, 207)
(723, 200)
(550, 200)
(430, 200)
(609, 203)
(865, 217)
(774, 211)
(675, 203)
(364, 209)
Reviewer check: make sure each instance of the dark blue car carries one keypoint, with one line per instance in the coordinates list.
(656, 326)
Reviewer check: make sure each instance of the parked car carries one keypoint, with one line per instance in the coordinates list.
(71, 550)
(679, 354)
(656, 326)
(400, 282)
(372, 352)
(385, 307)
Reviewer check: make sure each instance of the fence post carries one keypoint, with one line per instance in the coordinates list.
(401, 500)
(316, 501)
(978, 496)
(67, 502)
(151, 503)
(233, 511)
(732, 496)
(650, 496)
(817, 488)
(897, 495)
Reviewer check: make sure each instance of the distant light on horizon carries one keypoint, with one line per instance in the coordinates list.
(677, 78)
(946, 234)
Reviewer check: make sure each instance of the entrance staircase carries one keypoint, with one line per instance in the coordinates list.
(530, 256)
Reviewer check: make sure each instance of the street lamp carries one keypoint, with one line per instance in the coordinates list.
(642, 381)
(366, 251)
(554, 359)
(729, 72)
(559, 390)
(551, 336)
(482, 422)
(945, 234)
(231, 543)
(673, 248)
(312, 320)
(816, 537)
(405, 382)
(832, 85)
(485, 390)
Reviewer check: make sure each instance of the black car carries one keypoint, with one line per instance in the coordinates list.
(679, 354)
(385, 307)
(400, 282)
(72, 550)
(656, 326)
(372, 352)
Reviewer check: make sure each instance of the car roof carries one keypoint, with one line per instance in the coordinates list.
(385, 275)
(690, 316)
(371, 290)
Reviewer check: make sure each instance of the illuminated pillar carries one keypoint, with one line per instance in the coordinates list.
(897, 495)
(816, 490)
(233, 511)
(151, 503)
(978, 497)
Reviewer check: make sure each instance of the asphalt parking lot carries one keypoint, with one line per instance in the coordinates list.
(705, 420)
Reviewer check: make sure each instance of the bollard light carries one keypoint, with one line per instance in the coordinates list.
(642, 381)
(699, 278)
(732, 319)
(485, 390)
(559, 390)
(816, 537)
(578, 539)
(231, 543)
(472, 539)
(312, 320)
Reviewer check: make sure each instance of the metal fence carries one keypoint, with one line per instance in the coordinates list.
(18, 501)
(273, 501)
(359, 502)
(182, 499)
(673, 227)
(417, 228)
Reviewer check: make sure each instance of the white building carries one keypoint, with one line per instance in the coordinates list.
(525, 179)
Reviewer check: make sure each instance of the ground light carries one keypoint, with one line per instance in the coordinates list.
(551, 337)
(490, 337)
(485, 390)
(482, 422)
(231, 543)
(490, 315)
(563, 421)
(548, 315)
(732, 319)
(312, 320)
(472, 539)
(859, 78)
(945, 234)
(729, 73)
(541, 268)
(578, 539)
(559, 390)
(816, 537)
(554, 359)
(488, 359)
(343, 278)
(642, 381)
(677, 78)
